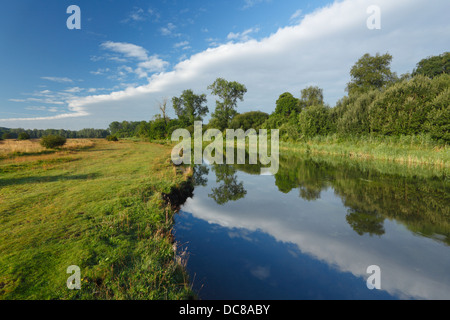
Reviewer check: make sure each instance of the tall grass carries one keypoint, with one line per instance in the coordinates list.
(414, 149)
(13, 148)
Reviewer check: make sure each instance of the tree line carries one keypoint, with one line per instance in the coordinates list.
(378, 102)
(24, 134)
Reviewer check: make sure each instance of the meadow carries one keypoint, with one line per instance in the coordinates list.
(102, 206)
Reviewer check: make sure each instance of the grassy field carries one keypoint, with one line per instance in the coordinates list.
(407, 150)
(94, 204)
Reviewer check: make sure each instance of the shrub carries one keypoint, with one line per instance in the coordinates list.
(412, 107)
(112, 138)
(23, 136)
(52, 141)
(7, 135)
(315, 120)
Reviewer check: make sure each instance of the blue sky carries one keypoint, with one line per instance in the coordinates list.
(129, 55)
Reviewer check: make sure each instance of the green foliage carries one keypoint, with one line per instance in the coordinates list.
(53, 142)
(23, 136)
(249, 120)
(230, 93)
(438, 119)
(189, 107)
(371, 73)
(310, 96)
(112, 138)
(7, 135)
(354, 114)
(433, 66)
(158, 129)
(290, 130)
(287, 104)
(411, 107)
(274, 121)
(315, 120)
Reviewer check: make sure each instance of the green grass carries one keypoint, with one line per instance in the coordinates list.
(100, 209)
(410, 150)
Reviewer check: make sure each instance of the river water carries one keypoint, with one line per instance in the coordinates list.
(312, 230)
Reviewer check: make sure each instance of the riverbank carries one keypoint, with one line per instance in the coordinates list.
(409, 150)
(101, 208)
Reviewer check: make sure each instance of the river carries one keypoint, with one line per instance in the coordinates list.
(312, 230)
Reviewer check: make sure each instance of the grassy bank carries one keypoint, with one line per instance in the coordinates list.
(100, 207)
(408, 150)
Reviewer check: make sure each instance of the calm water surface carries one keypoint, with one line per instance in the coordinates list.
(311, 231)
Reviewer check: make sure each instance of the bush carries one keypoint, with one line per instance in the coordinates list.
(7, 135)
(112, 138)
(52, 141)
(23, 136)
(315, 120)
(415, 106)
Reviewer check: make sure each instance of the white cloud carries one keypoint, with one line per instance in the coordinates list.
(167, 31)
(319, 50)
(296, 16)
(147, 64)
(57, 79)
(242, 36)
(127, 49)
(252, 3)
(181, 44)
(74, 90)
(100, 71)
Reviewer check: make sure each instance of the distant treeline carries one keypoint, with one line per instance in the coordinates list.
(6, 133)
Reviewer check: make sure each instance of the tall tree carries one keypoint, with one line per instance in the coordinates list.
(230, 93)
(311, 96)
(287, 104)
(371, 72)
(190, 107)
(433, 66)
(163, 107)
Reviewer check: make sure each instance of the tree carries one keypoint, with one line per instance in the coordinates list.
(229, 188)
(249, 120)
(311, 96)
(163, 107)
(229, 92)
(114, 127)
(7, 135)
(433, 66)
(371, 73)
(315, 120)
(53, 141)
(23, 136)
(189, 107)
(287, 104)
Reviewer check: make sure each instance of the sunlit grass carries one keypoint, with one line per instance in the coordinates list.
(408, 150)
(99, 208)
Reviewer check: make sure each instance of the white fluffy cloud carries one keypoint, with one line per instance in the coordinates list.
(319, 50)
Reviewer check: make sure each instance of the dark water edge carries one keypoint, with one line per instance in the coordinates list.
(311, 231)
